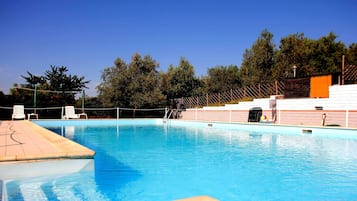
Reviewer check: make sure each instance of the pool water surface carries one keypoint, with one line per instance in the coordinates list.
(168, 162)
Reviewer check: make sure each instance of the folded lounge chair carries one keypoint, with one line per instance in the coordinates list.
(18, 112)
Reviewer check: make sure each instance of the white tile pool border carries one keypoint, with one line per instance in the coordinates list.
(334, 132)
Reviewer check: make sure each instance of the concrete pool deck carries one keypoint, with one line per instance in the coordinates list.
(24, 141)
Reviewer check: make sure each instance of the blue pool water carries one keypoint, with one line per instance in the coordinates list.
(147, 161)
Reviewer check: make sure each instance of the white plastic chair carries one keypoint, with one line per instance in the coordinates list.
(18, 112)
(70, 113)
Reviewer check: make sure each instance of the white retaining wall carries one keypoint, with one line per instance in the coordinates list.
(342, 97)
(340, 109)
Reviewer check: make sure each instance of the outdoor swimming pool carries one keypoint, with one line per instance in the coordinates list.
(147, 160)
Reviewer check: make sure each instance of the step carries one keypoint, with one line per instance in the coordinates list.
(32, 191)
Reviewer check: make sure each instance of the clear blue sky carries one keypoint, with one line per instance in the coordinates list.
(88, 35)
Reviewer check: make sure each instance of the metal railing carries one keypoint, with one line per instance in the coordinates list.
(232, 96)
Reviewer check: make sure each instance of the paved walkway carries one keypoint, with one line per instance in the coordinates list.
(23, 140)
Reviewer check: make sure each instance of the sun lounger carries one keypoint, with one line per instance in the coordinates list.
(70, 113)
(18, 112)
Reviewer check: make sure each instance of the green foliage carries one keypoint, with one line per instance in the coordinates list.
(258, 61)
(113, 88)
(32, 80)
(294, 50)
(58, 79)
(180, 81)
(90, 102)
(311, 57)
(134, 85)
(143, 83)
(223, 78)
(140, 85)
(351, 56)
(326, 54)
(52, 88)
(127, 85)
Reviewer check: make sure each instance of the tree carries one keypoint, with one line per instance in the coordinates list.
(294, 50)
(181, 81)
(351, 56)
(134, 85)
(311, 57)
(5, 100)
(25, 97)
(60, 86)
(258, 61)
(326, 54)
(32, 80)
(222, 78)
(143, 83)
(112, 91)
(58, 80)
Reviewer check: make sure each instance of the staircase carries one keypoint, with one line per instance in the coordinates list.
(340, 108)
(52, 190)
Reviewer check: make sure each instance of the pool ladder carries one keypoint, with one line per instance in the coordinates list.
(168, 114)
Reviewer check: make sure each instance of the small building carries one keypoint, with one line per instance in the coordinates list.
(310, 87)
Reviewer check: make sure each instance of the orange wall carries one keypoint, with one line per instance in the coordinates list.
(319, 86)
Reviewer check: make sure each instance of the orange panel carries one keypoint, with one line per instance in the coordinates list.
(319, 86)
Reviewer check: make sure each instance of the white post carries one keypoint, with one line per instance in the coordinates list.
(117, 113)
(62, 113)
